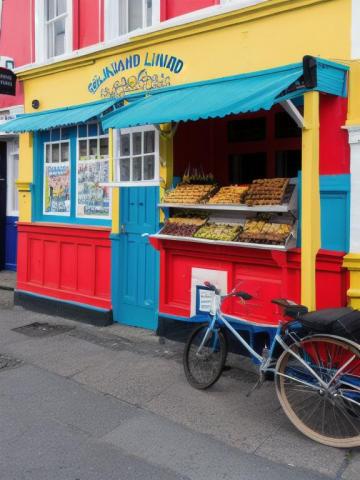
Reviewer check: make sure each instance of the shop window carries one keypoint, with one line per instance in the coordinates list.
(247, 130)
(125, 16)
(288, 163)
(244, 168)
(137, 156)
(53, 35)
(12, 209)
(92, 198)
(57, 181)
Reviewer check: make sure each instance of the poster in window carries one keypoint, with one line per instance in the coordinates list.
(93, 199)
(57, 189)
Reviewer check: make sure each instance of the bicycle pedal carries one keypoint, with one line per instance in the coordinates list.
(255, 387)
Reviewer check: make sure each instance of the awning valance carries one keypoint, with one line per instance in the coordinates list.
(60, 117)
(230, 95)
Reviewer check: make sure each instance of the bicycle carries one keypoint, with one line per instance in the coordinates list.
(317, 374)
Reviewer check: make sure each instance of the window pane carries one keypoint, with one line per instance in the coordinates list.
(93, 199)
(59, 36)
(50, 9)
(104, 147)
(82, 129)
(48, 153)
(124, 145)
(61, 7)
(57, 189)
(135, 14)
(55, 153)
(125, 169)
(93, 130)
(149, 142)
(83, 149)
(136, 174)
(50, 40)
(93, 144)
(64, 152)
(149, 167)
(136, 139)
(148, 13)
(123, 17)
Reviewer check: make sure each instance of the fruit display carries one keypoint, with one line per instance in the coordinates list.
(187, 220)
(269, 191)
(179, 229)
(230, 194)
(189, 193)
(218, 231)
(260, 231)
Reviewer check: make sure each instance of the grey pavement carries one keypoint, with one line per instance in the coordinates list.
(112, 403)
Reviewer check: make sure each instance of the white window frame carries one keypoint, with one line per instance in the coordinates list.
(87, 138)
(41, 42)
(11, 190)
(52, 142)
(117, 158)
(112, 14)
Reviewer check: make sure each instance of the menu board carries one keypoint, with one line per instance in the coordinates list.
(57, 189)
(93, 199)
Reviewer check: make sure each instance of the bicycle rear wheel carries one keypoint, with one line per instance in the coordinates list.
(330, 413)
(204, 366)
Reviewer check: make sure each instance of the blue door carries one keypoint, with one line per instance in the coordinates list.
(135, 267)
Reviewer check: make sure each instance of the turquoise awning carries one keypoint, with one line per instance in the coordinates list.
(60, 117)
(225, 96)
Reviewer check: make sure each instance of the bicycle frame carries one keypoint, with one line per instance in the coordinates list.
(218, 317)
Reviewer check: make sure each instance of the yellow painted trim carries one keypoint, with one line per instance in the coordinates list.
(115, 205)
(166, 164)
(25, 176)
(310, 199)
(228, 19)
(352, 263)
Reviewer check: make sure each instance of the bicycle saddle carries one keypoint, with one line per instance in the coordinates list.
(323, 320)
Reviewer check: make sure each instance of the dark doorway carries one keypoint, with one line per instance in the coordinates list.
(2, 202)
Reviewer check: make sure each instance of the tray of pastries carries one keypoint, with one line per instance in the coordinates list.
(189, 193)
(233, 194)
(183, 226)
(218, 231)
(261, 231)
(267, 191)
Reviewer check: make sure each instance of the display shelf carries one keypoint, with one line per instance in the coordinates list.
(290, 243)
(288, 206)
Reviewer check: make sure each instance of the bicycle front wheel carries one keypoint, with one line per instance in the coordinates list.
(327, 411)
(204, 361)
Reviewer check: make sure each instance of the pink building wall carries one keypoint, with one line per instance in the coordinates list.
(174, 8)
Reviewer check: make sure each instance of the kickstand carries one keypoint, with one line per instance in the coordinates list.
(256, 386)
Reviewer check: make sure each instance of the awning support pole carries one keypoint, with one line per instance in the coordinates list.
(294, 113)
(310, 199)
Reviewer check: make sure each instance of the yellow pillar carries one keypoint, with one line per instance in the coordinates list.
(166, 161)
(310, 199)
(352, 263)
(115, 223)
(25, 179)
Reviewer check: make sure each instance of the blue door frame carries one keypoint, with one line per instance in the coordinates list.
(135, 264)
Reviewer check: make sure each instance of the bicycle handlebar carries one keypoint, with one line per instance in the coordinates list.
(239, 293)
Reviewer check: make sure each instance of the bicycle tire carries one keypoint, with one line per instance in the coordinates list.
(330, 417)
(210, 363)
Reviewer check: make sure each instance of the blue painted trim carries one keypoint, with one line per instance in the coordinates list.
(10, 243)
(69, 302)
(37, 187)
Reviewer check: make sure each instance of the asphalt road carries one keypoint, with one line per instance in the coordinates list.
(112, 404)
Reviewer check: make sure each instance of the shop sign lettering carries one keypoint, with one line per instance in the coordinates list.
(7, 82)
(143, 80)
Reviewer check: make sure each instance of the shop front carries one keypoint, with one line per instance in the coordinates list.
(154, 166)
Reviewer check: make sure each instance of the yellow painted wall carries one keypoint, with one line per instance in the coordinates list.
(25, 177)
(233, 44)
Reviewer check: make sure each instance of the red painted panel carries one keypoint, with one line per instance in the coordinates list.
(334, 145)
(174, 8)
(35, 262)
(51, 264)
(102, 278)
(68, 266)
(86, 269)
(264, 274)
(87, 23)
(59, 262)
(16, 40)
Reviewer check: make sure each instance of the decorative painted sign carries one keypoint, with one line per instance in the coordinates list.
(7, 82)
(57, 189)
(146, 79)
(93, 199)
